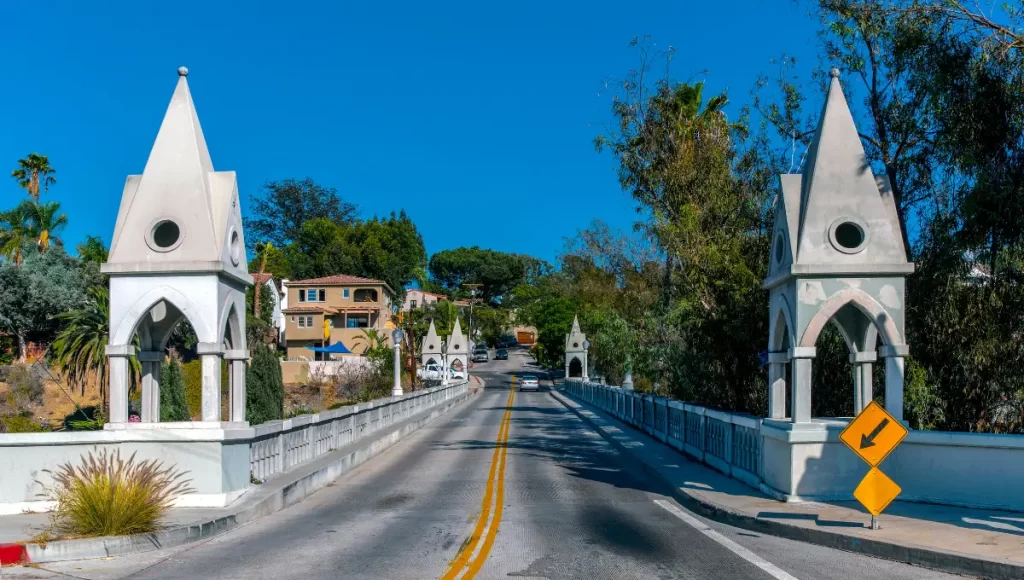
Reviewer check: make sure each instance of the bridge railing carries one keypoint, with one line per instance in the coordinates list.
(281, 445)
(728, 442)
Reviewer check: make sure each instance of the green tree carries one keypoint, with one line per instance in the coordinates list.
(34, 173)
(390, 249)
(280, 210)
(45, 222)
(498, 272)
(34, 294)
(92, 250)
(553, 322)
(264, 387)
(173, 406)
(15, 234)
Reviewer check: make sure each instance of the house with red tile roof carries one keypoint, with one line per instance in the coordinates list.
(339, 308)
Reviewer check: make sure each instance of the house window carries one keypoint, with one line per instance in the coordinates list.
(302, 295)
(311, 295)
(305, 321)
(412, 303)
(309, 322)
(293, 319)
(323, 294)
(345, 293)
(358, 321)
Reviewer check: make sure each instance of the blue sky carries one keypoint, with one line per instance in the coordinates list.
(477, 118)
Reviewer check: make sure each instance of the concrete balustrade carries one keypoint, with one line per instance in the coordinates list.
(221, 462)
(807, 461)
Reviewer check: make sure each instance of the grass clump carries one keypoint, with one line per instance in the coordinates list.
(108, 496)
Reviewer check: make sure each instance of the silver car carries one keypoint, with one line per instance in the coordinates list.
(529, 383)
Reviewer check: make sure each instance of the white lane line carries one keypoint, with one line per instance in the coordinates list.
(726, 542)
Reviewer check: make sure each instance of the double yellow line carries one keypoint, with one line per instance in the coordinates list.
(465, 560)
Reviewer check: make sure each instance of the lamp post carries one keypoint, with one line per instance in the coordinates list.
(586, 360)
(444, 365)
(396, 338)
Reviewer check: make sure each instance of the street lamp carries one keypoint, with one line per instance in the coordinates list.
(586, 360)
(396, 338)
(444, 365)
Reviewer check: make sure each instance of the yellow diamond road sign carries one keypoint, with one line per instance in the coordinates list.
(876, 491)
(873, 434)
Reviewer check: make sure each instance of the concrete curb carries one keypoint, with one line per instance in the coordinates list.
(943, 561)
(259, 502)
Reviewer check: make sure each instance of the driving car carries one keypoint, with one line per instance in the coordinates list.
(480, 355)
(529, 383)
(501, 354)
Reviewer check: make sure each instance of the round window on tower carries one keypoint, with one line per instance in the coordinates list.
(575, 345)
(780, 248)
(164, 235)
(848, 235)
(430, 347)
(235, 247)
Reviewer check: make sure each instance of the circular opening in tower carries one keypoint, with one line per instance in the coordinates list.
(780, 248)
(235, 247)
(848, 236)
(430, 347)
(165, 236)
(575, 345)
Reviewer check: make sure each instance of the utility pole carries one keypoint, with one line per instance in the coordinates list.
(472, 300)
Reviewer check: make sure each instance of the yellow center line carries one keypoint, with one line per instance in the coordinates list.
(463, 558)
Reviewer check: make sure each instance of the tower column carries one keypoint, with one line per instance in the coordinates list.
(150, 360)
(801, 359)
(236, 383)
(210, 355)
(777, 362)
(117, 356)
(863, 387)
(894, 372)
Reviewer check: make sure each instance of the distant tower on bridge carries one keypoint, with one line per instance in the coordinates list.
(837, 256)
(430, 349)
(575, 352)
(457, 353)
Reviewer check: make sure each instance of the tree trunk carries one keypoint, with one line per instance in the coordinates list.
(22, 348)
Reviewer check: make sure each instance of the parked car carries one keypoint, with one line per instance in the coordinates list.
(529, 383)
(429, 373)
(501, 354)
(456, 374)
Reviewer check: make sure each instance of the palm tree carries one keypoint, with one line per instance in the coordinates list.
(46, 221)
(92, 250)
(15, 233)
(80, 347)
(34, 172)
(261, 249)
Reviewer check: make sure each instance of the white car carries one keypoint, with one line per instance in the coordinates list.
(457, 374)
(529, 383)
(429, 372)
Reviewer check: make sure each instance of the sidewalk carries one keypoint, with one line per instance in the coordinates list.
(974, 542)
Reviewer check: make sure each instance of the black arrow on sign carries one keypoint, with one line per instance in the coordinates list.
(869, 439)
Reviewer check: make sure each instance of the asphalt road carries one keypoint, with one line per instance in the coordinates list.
(568, 509)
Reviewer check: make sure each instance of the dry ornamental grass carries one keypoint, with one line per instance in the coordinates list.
(109, 496)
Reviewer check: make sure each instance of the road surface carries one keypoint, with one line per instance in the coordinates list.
(559, 505)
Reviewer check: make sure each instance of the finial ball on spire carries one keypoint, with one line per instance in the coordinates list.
(834, 73)
(182, 71)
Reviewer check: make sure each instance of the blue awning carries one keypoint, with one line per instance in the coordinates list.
(336, 348)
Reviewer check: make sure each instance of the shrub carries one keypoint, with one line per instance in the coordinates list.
(25, 388)
(21, 424)
(89, 418)
(192, 376)
(108, 496)
(173, 406)
(296, 410)
(264, 388)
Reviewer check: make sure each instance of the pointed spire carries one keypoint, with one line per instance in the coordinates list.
(180, 210)
(840, 196)
(575, 325)
(457, 331)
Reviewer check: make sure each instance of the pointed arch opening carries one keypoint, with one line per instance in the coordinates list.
(575, 368)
